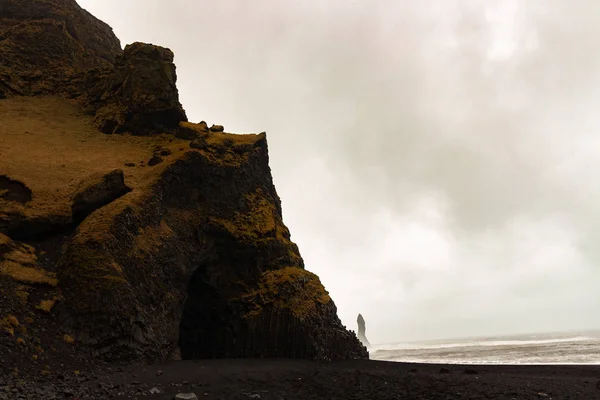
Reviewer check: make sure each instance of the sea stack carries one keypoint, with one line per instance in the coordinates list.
(361, 331)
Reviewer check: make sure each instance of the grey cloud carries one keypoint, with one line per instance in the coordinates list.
(436, 160)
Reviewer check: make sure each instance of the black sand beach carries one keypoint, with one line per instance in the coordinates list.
(291, 380)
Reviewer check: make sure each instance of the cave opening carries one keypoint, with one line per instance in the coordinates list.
(204, 328)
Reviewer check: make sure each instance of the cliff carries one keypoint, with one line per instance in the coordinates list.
(45, 43)
(126, 232)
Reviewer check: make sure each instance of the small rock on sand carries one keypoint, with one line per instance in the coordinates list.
(156, 159)
(185, 396)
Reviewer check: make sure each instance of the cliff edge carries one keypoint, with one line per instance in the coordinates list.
(126, 232)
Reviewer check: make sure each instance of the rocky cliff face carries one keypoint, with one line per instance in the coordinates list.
(139, 95)
(45, 43)
(164, 237)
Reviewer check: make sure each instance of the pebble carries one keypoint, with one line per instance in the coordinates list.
(185, 396)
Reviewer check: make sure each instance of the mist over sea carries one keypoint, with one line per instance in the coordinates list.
(548, 348)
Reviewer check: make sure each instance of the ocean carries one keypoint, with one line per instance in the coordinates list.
(536, 349)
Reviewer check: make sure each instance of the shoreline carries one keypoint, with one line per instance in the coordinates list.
(279, 379)
(467, 364)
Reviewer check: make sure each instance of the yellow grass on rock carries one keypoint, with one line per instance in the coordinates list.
(46, 305)
(291, 288)
(68, 339)
(28, 275)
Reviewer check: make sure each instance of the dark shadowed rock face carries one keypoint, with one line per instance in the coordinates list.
(141, 97)
(44, 43)
(97, 191)
(12, 190)
(203, 249)
(288, 314)
(184, 253)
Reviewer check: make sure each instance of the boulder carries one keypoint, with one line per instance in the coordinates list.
(199, 143)
(13, 190)
(141, 97)
(97, 191)
(190, 131)
(156, 159)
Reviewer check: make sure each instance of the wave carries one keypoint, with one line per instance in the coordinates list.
(480, 343)
(575, 349)
(485, 362)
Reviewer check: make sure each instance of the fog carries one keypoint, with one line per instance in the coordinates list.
(436, 161)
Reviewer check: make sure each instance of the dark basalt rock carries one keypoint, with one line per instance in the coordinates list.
(43, 44)
(28, 227)
(209, 230)
(20, 223)
(12, 190)
(97, 191)
(288, 315)
(199, 143)
(141, 97)
(189, 131)
(156, 159)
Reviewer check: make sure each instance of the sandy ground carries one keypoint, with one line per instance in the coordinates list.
(290, 380)
(295, 380)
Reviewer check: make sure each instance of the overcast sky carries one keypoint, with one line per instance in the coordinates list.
(438, 161)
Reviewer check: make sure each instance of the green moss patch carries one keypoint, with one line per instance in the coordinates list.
(291, 288)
